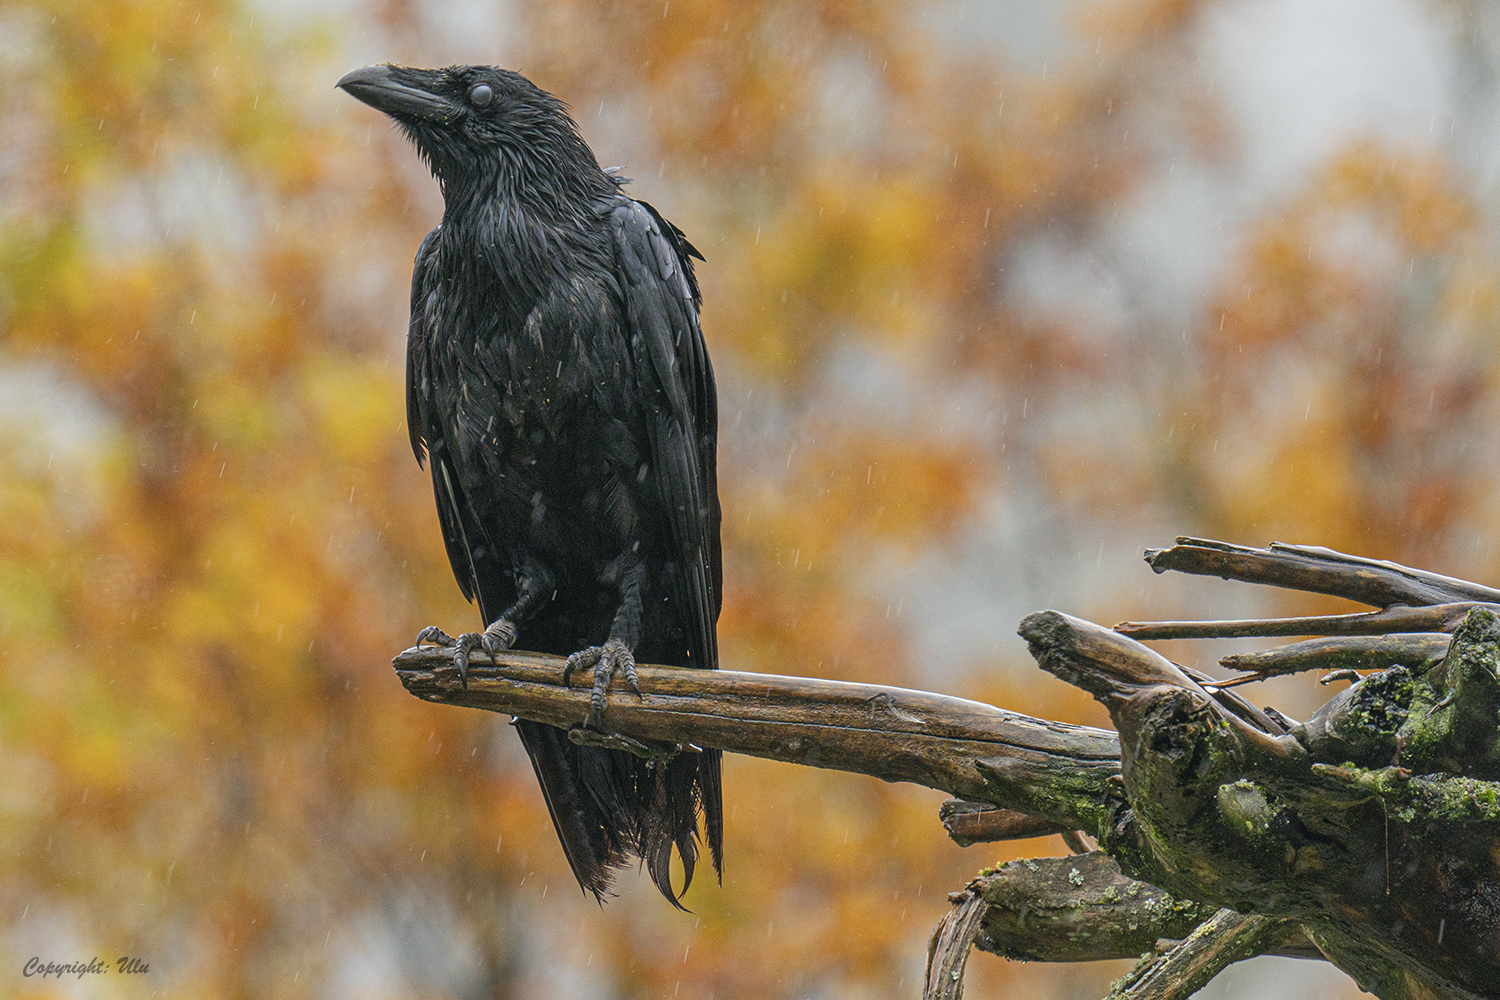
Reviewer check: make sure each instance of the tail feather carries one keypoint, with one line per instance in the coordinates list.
(591, 846)
(608, 804)
(709, 769)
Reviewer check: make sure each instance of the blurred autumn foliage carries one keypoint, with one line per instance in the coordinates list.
(213, 536)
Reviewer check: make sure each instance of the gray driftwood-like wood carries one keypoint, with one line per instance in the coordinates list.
(1369, 834)
(1433, 618)
(1395, 877)
(1099, 912)
(1317, 570)
(1057, 771)
(952, 941)
(1360, 653)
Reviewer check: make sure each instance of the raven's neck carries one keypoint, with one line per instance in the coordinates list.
(510, 232)
(554, 180)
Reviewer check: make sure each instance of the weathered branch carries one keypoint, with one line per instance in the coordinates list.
(1116, 670)
(969, 823)
(1077, 909)
(950, 945)
(1434, 618)
(1048, 768)
(1417, 651)
(1318, 570)
(1224, 939)
(1396, 877)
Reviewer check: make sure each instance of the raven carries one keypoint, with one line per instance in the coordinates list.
(559, 387)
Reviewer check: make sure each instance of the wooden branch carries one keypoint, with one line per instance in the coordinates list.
(969, 823)
(1318, 570)
(1433, 618)
(1116, 670)
(891, 733)
(1077, 909)
(1083, 909)
(952, 940)
(1370, 832)
(1226, 938)
(1417, 651)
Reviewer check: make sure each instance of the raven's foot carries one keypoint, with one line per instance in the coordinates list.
(607, 660)
(497, 637)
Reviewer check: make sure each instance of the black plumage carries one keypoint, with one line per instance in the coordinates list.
(560, 390)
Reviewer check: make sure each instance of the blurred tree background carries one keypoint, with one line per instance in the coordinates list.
(999, 293)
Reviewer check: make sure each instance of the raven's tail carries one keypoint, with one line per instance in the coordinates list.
(592, 846)
(607, 804)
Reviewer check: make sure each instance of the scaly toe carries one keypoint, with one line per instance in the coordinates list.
(582, 660)
(434, 636)
(462, 646)
(613, 657)
(500, 636)
(627, 664)
(602, 672)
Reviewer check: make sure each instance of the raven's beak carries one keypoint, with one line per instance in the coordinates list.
(379, 87)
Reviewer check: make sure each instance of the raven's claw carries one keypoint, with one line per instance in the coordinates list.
(434, 636)
(607, 660)
(493, 640)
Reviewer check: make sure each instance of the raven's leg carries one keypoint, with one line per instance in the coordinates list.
(534, 587)
(617, 655)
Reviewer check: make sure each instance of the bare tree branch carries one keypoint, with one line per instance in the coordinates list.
(1434, 618)
(1222, 940)
(1047, 768)
(952, 940)
(1077, 909)
(1368, 832)
(1318, 570)
(1376, 652)
(1393, 870)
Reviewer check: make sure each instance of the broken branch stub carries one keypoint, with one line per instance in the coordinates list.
(968, 823)
(1077, 909)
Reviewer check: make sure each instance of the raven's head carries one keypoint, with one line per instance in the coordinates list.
(482, 126)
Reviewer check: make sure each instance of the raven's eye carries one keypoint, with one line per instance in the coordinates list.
(481, 95)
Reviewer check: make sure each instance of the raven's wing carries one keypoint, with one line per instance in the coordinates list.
(463, 534)
(661, 305)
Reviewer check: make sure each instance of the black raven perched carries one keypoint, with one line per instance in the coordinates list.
(559, 386)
